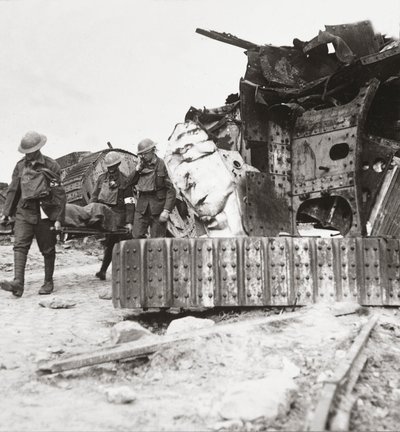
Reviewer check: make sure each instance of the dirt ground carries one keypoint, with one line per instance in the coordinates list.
(378, 390)
(178, 389)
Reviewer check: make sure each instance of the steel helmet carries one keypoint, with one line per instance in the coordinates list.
(31, 142)
(112, 158)
(145, 146)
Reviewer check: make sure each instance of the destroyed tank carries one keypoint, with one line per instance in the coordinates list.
(80, 171)
(79, 174)
(323, 131)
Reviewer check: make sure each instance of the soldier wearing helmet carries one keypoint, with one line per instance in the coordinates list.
(37, 200)
(156, 193)
(112, 189)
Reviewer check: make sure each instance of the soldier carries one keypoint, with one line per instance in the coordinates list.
(156, 193)
(37, 200)
(112, 189)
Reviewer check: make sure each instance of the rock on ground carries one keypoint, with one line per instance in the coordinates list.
(127, 331)
(252, 399)
(57, 303)
(186, 324)
(345, 308)
(105, 293)
(228, 425)
(121, 395)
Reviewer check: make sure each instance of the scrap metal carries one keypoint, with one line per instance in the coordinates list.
(80, 171)
(322, 127)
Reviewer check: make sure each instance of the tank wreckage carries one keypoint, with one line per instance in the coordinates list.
(311, 139)
(310, 144)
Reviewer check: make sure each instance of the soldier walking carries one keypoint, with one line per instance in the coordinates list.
(37, 200)
(112, 189)
(157, 195)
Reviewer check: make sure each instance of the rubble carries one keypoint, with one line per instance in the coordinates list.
(188, 324)
(346, 308)
(128, 331)
(250, 400)
(150, 345)
(57, 303)
(121, 395)
(105, 293)
(228, 425)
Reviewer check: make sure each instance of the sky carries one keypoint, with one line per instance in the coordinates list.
(84, 72)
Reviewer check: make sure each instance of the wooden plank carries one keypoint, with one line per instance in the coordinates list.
(320, 420)
(340, 420)
(152, 344)
(91, 231)
(331, 386)
(354, 351)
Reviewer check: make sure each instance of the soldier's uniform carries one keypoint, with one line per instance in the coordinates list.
(113, 190)
(36, 199)
(156, 194)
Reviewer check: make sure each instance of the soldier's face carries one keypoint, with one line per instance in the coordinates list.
(148, 157)
(112, 169)
(32, 156)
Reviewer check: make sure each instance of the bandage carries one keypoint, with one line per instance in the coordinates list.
(130, 200)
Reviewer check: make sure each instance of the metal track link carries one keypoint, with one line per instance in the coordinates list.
(255, 271)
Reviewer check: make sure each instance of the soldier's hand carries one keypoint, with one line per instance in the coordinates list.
(57, 226)
(164, 216)
(129, 227)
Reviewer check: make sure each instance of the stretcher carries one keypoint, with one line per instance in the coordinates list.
(8, 229)
(90, 231)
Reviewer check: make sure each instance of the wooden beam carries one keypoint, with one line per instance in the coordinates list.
(151, 344)
(330, 390)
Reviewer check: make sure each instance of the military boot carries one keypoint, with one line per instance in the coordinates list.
(101, 275)
(106, 262)
(17, 285)
(48, 286)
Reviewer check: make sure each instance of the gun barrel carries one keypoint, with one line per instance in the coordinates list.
(228, 39)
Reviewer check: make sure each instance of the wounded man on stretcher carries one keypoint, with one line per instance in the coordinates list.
(96, 216)
(90, 218)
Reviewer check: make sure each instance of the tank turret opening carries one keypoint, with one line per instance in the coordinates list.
(326, 216)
